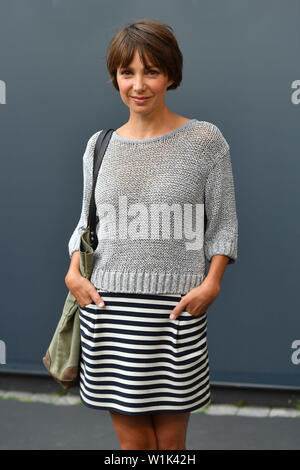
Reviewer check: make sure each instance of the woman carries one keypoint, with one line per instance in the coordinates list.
(150, 369)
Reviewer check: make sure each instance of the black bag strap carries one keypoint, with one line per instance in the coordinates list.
(100, 148)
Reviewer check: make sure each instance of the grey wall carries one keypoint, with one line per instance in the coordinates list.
(240, 60)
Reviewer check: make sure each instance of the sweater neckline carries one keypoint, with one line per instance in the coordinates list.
(153, 139)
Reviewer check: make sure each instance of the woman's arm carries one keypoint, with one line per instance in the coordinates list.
(74, 268)
(216, 270)
(82, 289)
(87, 170)
(221, 234)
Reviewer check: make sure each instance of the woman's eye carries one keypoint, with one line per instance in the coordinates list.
(124, 72)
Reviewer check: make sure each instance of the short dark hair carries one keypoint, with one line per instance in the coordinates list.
(150, 38)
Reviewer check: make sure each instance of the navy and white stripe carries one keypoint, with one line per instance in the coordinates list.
(136, 360)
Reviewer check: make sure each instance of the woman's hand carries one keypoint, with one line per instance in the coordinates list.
(83, 290)
(197, 300)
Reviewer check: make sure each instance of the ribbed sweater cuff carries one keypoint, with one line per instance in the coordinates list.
(227, 248)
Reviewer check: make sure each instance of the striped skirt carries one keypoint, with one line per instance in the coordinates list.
(136, 360)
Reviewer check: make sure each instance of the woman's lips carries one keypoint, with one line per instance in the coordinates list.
(140, 100)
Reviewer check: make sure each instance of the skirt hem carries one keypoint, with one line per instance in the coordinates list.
(111, 408)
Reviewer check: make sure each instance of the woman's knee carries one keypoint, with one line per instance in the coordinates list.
(171, 445)
(139, 442)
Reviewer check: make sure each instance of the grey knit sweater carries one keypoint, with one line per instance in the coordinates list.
(165, 204)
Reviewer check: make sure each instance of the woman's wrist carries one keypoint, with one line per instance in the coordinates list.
(212, 281)
(72, 275)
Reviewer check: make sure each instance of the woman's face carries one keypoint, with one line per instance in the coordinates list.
(135, 81)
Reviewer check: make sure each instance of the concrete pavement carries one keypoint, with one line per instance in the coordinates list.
(28, 425)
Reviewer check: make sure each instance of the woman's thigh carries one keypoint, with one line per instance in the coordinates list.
(170, 430)
(152, 431)
(135, 432)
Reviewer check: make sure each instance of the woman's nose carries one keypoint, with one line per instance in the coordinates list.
(139, 84)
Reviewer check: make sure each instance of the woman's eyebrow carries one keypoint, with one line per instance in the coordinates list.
(147, 67)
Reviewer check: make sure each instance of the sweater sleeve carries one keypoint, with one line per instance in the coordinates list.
(221, 224)
(88, 159)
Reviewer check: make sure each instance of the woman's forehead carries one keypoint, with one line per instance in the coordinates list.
(128, 59)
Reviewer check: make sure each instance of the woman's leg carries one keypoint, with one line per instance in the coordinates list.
(170, 430)
(135, 432)
(163, 431)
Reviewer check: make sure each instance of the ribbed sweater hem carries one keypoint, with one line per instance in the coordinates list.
(143, 282)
